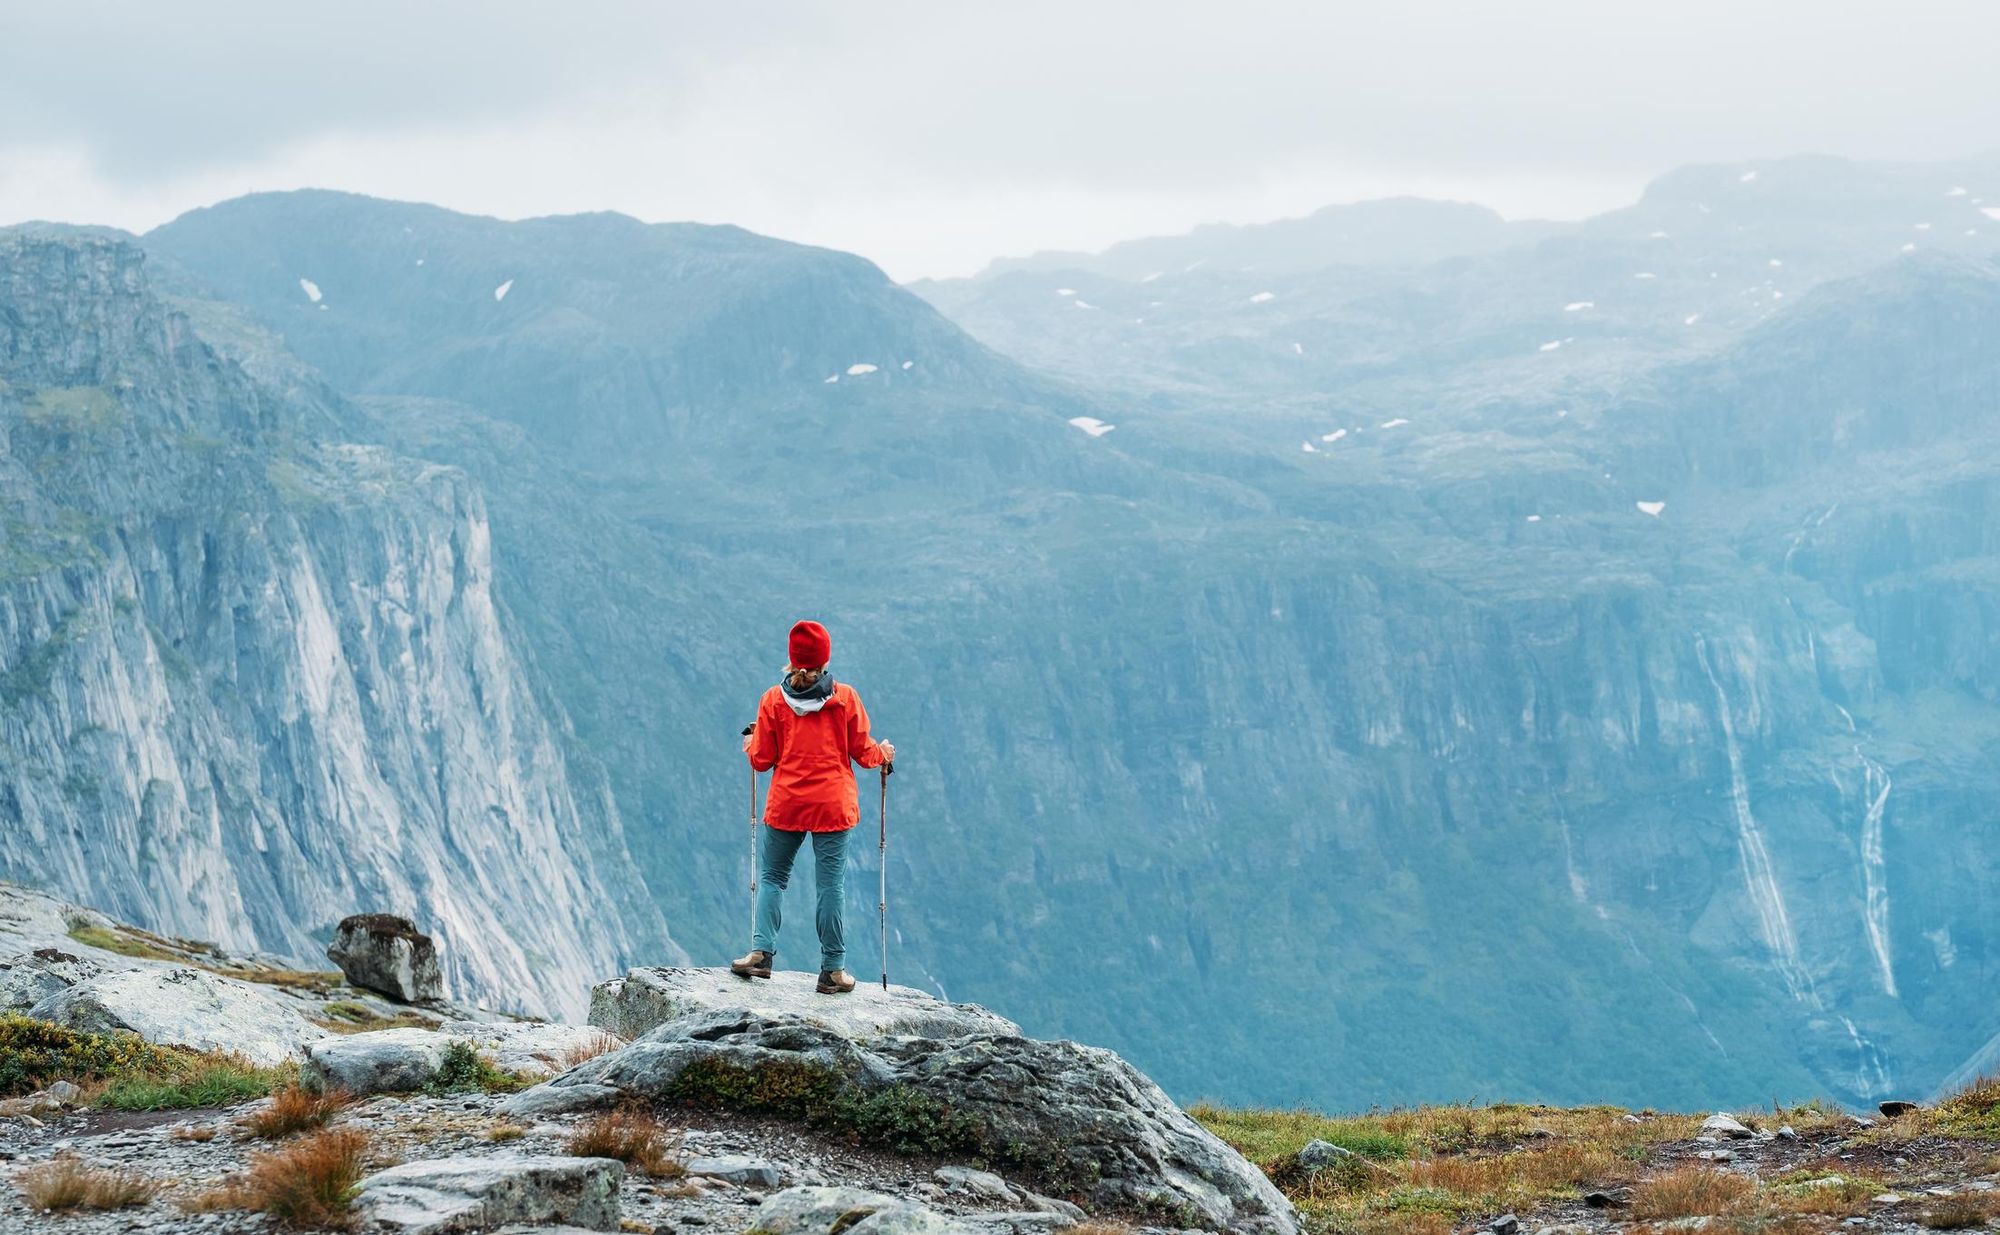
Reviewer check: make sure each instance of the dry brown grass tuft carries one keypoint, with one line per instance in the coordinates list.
(1565, 1164)
(311, 1184)
(1961, 1212)
(632, 1137)
(501, 1133)
(1689, 1192)
(292, 1110)
(198, 1133)
(1097, 1227)
(70, 1183)
(600, 1043)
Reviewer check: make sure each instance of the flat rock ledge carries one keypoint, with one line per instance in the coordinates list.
(1074, 1121)
(443, 1195)
(646, 998)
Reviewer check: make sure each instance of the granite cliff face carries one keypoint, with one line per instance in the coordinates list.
(253, 677)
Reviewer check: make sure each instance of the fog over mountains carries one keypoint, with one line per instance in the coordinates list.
(1397, 654)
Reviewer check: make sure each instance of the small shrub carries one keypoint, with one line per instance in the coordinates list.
(311, 1184)
(465, 1070)
(35, 1053)
(905, 1119)
(126, 1072)
(292, 1110)
(632, 1137)
(1961, 1212)
(68, 1183)
(1689, 1192)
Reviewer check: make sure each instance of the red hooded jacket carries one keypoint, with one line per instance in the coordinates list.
(813, 790)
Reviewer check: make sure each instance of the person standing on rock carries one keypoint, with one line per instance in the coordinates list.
(813, 730)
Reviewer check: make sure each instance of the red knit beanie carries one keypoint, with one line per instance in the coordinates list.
(811, 646)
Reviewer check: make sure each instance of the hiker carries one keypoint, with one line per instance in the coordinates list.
(812, 730)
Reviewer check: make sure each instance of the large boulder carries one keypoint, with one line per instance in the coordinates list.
(183, 1007)
(649, 997)
(441, 1195)
(389, 955)
(1073, 1120)
(382, 1061)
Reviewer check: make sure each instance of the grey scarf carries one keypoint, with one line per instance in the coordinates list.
(810, 700)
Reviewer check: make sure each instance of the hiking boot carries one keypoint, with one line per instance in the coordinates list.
(834, 982)
(755, 965)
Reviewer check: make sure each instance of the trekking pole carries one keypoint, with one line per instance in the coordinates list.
(882, 860)
(747, 730)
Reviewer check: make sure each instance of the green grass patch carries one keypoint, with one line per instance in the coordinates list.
(125, 943)
(1266, 1136)
(204, 1081)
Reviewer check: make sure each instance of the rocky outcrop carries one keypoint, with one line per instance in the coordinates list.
(1072, 1119)
(183, 1007)
(443, 1195)
(647, 998)
(387, 954)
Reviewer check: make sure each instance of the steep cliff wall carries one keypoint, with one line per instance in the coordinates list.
(252, 681)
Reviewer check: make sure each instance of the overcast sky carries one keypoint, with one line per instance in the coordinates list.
(932, 136)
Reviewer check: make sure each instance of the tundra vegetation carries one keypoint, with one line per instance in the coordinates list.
(1436, 1170)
